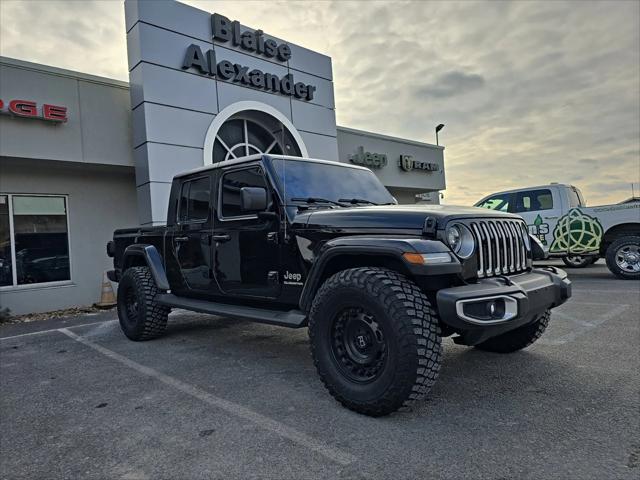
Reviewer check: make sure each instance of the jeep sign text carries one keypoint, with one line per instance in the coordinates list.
(368, 159)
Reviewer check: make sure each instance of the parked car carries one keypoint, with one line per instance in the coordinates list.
(299, 242)
(558, 216)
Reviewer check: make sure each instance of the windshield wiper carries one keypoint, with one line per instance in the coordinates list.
(317, 200)
(355, 201)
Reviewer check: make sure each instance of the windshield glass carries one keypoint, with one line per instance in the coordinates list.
(303, 179)
(497, 202)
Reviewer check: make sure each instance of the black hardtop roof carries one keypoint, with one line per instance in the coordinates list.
(258, 156)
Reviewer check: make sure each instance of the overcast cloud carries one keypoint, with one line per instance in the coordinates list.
(530, 93)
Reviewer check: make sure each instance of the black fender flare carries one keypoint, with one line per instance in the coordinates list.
(374, 246)
(153, 260)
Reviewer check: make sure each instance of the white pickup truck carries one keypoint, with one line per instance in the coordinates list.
(558, 216)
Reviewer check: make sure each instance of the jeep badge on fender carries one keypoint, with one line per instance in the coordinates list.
(292, 278)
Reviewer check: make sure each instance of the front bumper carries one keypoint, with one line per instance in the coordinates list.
(521, 298)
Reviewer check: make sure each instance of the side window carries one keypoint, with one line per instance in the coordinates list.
(230, 186)
(195, 198)
(497, 202)
(533, 200)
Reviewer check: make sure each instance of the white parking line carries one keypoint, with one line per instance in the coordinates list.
(56, 329)
(333, 454)
(600, 304)
(584, 326)
(607, 291)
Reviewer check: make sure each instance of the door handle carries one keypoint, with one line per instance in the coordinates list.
(221, 238)
(550, 218)
(181, 239)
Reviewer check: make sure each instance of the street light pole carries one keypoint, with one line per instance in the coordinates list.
(438, 128)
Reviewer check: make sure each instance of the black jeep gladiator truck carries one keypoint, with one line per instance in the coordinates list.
(299, 242)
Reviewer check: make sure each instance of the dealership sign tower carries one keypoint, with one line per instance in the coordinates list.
(205, 88)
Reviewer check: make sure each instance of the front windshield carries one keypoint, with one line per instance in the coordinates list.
(497, 202)
(303, 179)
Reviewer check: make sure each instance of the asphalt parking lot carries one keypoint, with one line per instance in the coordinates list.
(220, 398)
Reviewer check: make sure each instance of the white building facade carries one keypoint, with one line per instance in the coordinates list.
(82, 155)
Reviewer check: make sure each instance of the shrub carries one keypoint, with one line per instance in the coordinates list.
(5, 314)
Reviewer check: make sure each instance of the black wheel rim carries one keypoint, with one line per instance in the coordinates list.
(131, 305)
(358, 345)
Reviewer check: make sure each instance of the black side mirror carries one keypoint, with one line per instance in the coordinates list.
(253, 199)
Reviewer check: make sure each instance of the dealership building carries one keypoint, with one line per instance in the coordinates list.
(82, 155)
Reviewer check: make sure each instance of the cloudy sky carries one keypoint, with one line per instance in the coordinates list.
(530, 92)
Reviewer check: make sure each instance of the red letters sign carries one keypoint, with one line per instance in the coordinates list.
(29, 109)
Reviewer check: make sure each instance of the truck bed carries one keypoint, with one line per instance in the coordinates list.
(123, 237)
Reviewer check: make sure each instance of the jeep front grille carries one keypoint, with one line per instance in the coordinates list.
(501, 246)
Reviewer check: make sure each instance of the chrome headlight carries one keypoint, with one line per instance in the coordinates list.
(454, 237)
(460, 240)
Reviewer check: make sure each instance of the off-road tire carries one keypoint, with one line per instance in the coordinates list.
(610, 256)
(585, 261)
(519, 338)
(411, 332)
(150, 321)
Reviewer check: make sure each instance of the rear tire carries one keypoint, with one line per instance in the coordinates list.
(375, 340)
(623, 257)
(517, 339)
(141, 316)
(578, 261)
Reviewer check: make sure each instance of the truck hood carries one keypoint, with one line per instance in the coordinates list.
(391, 216)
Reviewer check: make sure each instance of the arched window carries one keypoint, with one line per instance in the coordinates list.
(245, 135)
(248, 128)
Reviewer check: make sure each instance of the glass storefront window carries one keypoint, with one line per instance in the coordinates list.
(6, 270)
(37, 237)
